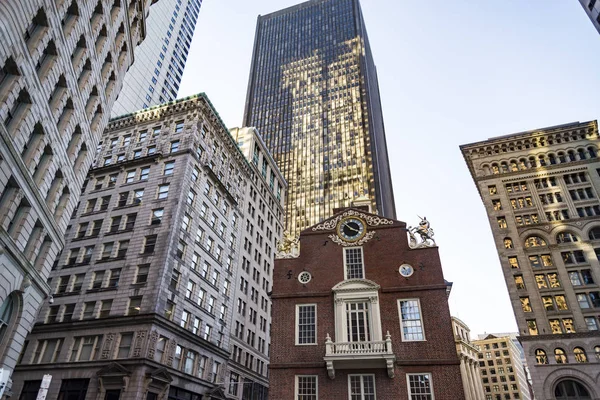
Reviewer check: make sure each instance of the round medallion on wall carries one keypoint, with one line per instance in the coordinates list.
(406, 270)
(351, 229)
(304, 277)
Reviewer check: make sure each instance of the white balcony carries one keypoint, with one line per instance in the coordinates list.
(351, 355)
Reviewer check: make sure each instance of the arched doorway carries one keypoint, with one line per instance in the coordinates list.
(7, 312)
(571, 390)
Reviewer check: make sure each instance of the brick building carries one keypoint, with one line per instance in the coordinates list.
(146, 291)
(62, 64)
(361, 314)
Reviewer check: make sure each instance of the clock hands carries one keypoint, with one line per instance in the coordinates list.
(351, 228)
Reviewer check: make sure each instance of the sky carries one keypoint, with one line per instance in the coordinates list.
(450, 73)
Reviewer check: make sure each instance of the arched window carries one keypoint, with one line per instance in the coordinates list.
(566, 237)
(534, 241)
(562, 158)
(513, 166)
(580, 355)
(560, 356)
(581, 153)
(523, 163)
(532, 162)
(597, 352)
(571, 390)
(592, 152)
(572, 155)
(504, 167)
(541, 357)
(7, 310)
(495, 169)
(508, 243)
(551, 159)
(594, 233)
(542, 160)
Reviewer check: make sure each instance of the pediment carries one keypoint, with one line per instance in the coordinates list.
(161, 375)
(113, 369)
(216, 393)
(356, 285)
(330, 224)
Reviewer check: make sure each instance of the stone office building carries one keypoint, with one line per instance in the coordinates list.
(469, 363)
(502, 372)
(361, 315)
(62, 64)
(540, 189)
(145, 289)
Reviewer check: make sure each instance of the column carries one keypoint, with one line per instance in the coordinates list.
(465, 378)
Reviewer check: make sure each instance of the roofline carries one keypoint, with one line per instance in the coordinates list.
(529, 132)
(290, 9)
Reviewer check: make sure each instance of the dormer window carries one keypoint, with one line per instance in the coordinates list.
(353, 263)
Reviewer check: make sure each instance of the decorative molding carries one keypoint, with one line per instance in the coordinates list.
(336, 239)
(371, 220)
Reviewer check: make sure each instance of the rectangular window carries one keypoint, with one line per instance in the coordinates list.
(150, 243)
(135, 305)
(125, 345)
(85, 348)
(353, 263)
(410, 320)
(306, 387)
(169, 167)
(419, 386)
(163, 191)
(361, 387)
(175, 146)
(306, 324)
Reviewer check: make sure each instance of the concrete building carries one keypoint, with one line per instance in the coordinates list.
(145, 290)
(361, 314)
(502, 372)
(155, 75)
(540, 191)
(592, 9)
(469, 362)
(261, 229)
(62, 64)
(313, 95)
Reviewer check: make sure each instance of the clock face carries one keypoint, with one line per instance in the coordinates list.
(406, 270)
(351, 229)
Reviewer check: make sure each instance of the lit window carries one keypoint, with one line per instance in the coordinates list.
(135, 305)
(410, 320)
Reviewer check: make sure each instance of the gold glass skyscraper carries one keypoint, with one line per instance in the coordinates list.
(313, 95)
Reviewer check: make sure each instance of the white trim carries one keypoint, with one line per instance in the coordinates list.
(297, 325)
(362, 260)
(306, 376)
(362, 386)
(430, 384)
(420, 318)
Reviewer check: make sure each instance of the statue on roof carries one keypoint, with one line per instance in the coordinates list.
(288, 246)
(425, 233)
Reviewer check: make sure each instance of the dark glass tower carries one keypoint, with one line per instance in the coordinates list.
(313, 95)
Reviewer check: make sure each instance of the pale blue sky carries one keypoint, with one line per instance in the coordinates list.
(450, 73)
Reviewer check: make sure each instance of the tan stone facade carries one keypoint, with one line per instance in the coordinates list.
(146, 289)
(61, 67)
(502, 372)
(469, 363)
(541, 191)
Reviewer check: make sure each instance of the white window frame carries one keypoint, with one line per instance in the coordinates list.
(410, 395)
(352, 291)
(306, 376)
(420, 318)
(362, 386)
(362, 259)
(297, 342)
